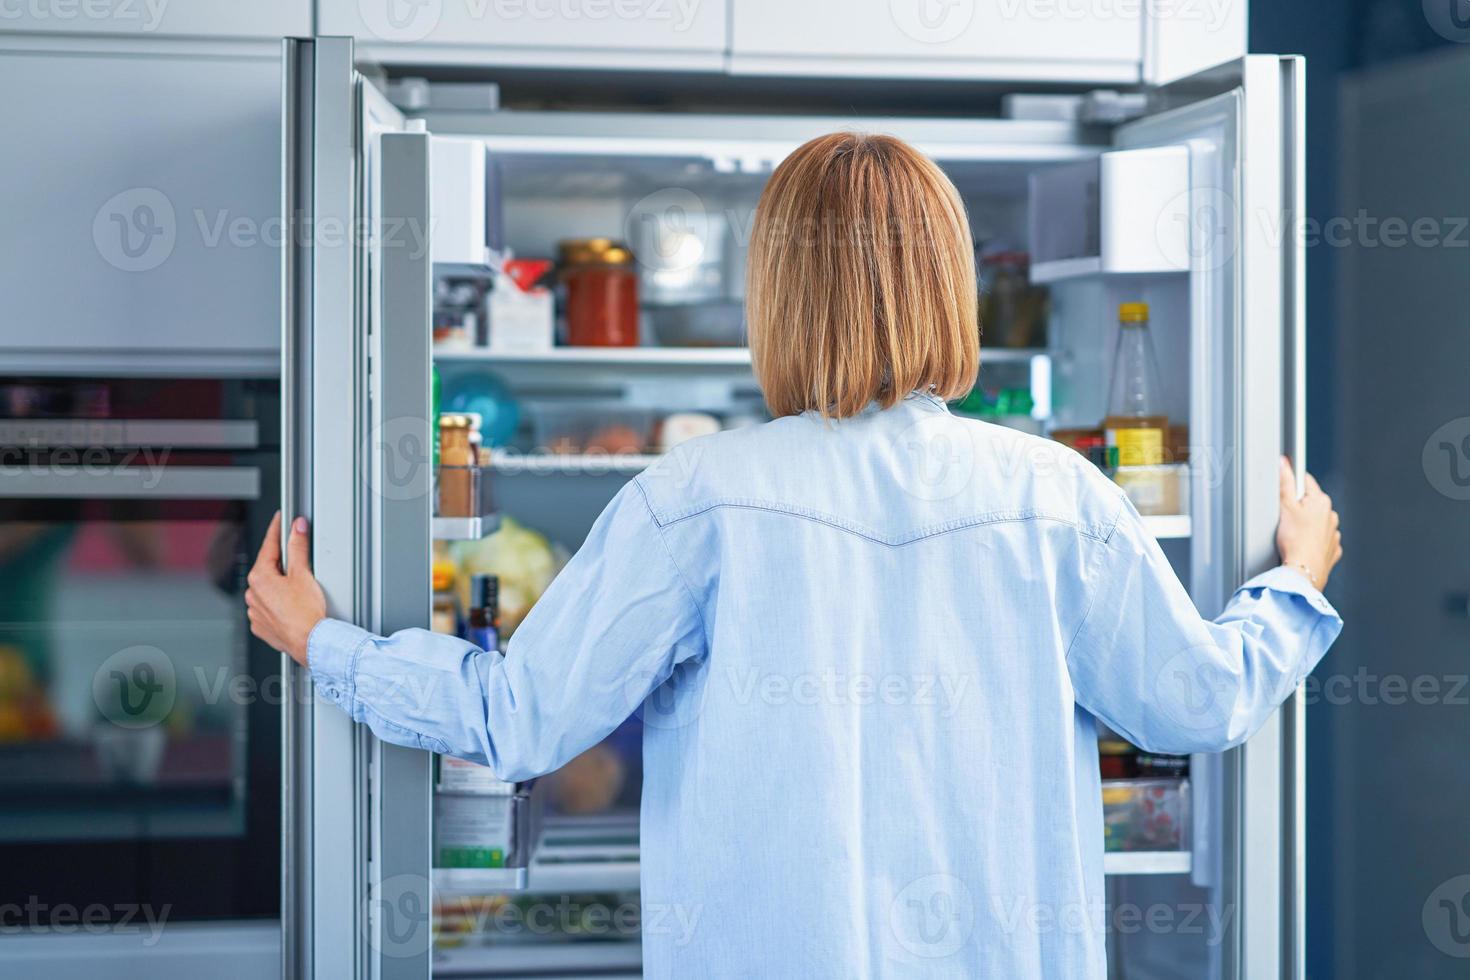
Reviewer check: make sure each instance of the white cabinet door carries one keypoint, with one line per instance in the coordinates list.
(638, 34)
(144, 213)
(1013, 40)
(159, 18)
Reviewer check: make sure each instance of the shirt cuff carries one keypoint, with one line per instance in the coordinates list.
(1289, 580)
(332, 651)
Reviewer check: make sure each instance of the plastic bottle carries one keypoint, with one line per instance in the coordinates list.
(1136, 424)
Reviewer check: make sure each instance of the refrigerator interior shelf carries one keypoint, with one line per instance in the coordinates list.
(545, 960)
(492, 264)
(1169, 526)
(550, 874)
(1066, 270)
(1010, 355)
(671, 357)
(1060, 270)
(464, 528)
(572, 464)
(1147, 862)
(478, 881)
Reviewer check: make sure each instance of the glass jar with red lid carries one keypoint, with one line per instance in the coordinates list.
(601, 293)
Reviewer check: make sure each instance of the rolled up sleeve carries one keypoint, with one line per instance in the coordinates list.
(1146, 662)
(609, 630)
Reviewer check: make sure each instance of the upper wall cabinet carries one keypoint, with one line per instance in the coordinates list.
(1090, 42)
(1004, 40)
(617, 34)
(160, 18)
(152, 218)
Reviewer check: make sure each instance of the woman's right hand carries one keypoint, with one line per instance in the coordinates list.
(1307, 537)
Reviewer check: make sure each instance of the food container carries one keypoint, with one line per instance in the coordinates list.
(1156, 490)
(463, 483)
(1013, 312)
(715, 324)
(1145, 814)
(680, 427)
(601, 285)
(681, 252)
(608, 428)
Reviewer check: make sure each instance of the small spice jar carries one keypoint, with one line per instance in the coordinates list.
(601, 293)
(458, 460)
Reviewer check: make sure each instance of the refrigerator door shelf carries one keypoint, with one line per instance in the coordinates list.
(1125, 212)
(464, 528)
(525, 824)
(1117, 863)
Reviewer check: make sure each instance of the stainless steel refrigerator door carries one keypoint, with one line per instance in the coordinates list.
(1243, 125)
(399, 286)
(356, 813)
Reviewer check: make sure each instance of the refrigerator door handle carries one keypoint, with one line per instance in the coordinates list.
(296, 65)
(322, 829)
(1294, 441)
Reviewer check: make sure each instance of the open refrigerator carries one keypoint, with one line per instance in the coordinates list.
(1187, 206)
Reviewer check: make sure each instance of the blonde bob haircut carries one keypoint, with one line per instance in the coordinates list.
(860, 281)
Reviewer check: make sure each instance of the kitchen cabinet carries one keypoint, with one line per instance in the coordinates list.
(1227, 308)
(270, 19)
(622, 34)
(1011, 40)
(152, 215)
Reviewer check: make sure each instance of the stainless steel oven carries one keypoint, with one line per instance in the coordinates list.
(140, 736)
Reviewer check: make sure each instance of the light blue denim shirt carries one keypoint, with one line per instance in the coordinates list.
(869, 656)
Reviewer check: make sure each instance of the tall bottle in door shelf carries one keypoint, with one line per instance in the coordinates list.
(1136, 430)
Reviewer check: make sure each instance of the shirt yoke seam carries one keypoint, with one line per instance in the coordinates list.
(892, 541)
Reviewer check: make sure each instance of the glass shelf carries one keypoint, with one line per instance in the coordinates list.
(464, 528)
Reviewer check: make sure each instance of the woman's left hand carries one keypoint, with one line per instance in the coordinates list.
(284, 607)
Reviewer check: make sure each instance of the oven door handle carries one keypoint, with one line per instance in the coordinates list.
(130, 482)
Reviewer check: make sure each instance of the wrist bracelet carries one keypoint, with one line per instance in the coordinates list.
(1302, 567)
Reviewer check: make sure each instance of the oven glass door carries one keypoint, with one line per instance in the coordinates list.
(139, 720)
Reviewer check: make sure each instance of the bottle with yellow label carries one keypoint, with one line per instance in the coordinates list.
(1136, 424)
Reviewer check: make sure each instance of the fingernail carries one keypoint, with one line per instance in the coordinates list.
(299, 525)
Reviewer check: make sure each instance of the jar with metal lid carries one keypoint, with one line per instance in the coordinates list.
(458, 465)
(601, 293)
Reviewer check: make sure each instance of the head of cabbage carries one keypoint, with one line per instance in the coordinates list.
(524, 560)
